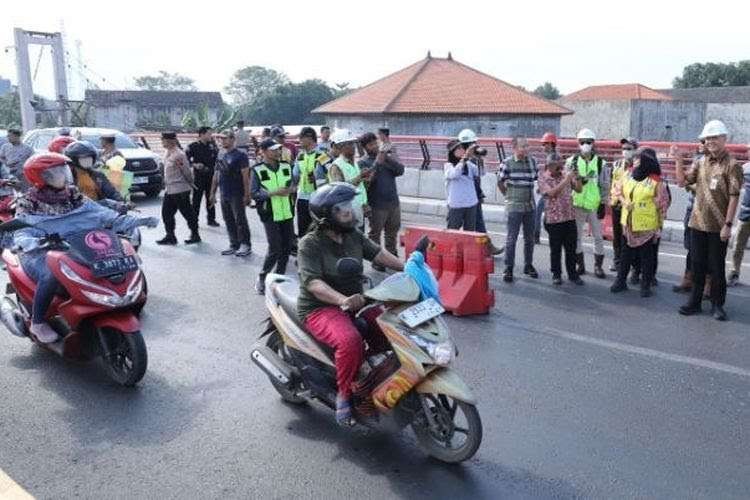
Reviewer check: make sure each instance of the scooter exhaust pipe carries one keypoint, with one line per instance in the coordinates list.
(11, 317)
(272, 365)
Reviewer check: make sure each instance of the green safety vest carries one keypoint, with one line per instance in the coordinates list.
(590, 196)
(306, 163)
(281, 206)
(350, 172)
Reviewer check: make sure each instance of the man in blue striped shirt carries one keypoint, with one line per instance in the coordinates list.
(516, 181)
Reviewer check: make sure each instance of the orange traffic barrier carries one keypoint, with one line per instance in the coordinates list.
(462, 263)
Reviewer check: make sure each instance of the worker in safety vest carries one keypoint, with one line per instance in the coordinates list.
(345, 169)
(620, 170)
(309, 160)
(271, 187)
(586, 203)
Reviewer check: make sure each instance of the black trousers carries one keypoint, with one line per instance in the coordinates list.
(463, 218)
(708, 255)
(203, 188)
(304, 219)
(280, 236)
(617, 241)
(235, 218)
(169, 207)
(646, 255)
(562, 235)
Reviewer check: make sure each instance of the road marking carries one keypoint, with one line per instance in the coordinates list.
(644, 351)
(10, 490)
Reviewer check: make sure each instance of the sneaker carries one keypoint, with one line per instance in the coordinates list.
(618, 286)
(167, 240)
(213, 223)
(576, 280)
(719, 313)
(260, 286)
(733, 279)
(194, 238)
(44, 333)
(556, 280)
(244, 250)
(690, 309)
(529, 270)
(229, 251)
(508, 275)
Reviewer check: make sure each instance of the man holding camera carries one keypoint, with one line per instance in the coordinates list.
(382, 193)
(516, 181)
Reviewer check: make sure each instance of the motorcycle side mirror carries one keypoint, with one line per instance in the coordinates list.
(13, 225)
(349, 266)
(422, 245)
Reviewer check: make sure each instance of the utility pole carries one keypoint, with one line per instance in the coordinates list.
(23, 39)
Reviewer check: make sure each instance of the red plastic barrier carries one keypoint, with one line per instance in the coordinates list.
(462, 264)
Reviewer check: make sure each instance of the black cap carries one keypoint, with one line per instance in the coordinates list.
(15, 131)
(277, 131)
(630, 140)
(169, 135)
(269, 144)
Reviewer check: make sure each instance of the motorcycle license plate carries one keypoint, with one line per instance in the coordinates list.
(114, 265)
(421, 313)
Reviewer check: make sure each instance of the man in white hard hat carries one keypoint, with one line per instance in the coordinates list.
(717, 180)
(590, 168)
(346, 169)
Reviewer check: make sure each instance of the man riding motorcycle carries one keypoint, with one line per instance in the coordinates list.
(55, 205)
(327, 299)
(91, 182)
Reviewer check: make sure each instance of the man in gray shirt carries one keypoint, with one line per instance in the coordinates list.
(13, 154)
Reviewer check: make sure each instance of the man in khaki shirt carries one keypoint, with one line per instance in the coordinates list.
(717, 180)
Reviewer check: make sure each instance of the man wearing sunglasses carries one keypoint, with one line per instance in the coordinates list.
(590, 168)
(717, 179)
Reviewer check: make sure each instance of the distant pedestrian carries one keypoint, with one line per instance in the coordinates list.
(307, 163)
(178, 180)
(107, 141)
(516, 181)
(346, 169)
(13, 154)
(382, 194)
(324, 144)
(718, 180)
(644, 199)
(202, 155)
(557, 189)
(549, 144)
(743, 232)
(460, 172)
(588, 202)
(288, 149)
(232, 179)
(621, 169)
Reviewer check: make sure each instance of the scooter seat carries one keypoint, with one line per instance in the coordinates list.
(287, 293)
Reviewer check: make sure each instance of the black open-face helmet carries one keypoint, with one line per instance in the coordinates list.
(82, 154)
(331, 207)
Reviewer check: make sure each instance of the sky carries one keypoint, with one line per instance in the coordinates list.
(571, 44)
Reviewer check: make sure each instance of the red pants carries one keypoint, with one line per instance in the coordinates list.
(335, 328)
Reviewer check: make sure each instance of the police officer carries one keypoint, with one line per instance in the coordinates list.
(309, 160)
(272, 187)
(202, 155)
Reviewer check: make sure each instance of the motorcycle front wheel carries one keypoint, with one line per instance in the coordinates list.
(124, 355)
(447, 429)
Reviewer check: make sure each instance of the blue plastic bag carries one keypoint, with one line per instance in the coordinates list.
(419, 271)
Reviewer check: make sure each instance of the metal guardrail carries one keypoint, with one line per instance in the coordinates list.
(426, 152)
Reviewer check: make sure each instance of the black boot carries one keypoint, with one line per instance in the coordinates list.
(598, 269)
(194, 238)
(169, 239)
(646, 289)
(580, 264)
(618, 286)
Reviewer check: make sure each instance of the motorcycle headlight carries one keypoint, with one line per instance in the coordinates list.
(105, 300)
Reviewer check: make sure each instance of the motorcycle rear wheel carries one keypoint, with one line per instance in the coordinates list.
(128, 358)
(437, 438)
(276, 344)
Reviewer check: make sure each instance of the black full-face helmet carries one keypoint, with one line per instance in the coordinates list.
(331, 206)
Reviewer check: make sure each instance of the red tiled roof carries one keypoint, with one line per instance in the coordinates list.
(440, 86)
(626, 91)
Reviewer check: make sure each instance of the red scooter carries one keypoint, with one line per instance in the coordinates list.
(96, 310)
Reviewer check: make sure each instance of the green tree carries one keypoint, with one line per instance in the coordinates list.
(10, 110)
(165, 81)
(714, 75)
(250, 82)
(192, 120)
(291, 103)
(547, 91)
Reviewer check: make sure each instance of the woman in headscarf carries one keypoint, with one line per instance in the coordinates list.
(645, 199)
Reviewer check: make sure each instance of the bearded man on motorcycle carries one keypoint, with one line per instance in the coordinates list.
(327, 299)
(89, 181)
(54, 205)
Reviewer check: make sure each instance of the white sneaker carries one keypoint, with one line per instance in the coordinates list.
(43, 333)
(243, 251)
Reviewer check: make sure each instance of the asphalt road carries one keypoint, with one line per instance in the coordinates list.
(583, 395)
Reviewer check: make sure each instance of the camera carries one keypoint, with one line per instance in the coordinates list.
(480, 151)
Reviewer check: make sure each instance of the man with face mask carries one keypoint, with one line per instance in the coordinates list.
(589, 167)
(620, 171)
(327, 299)
(56, 205)
(91, 182)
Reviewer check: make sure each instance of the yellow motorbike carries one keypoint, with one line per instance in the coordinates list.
(410, 384)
